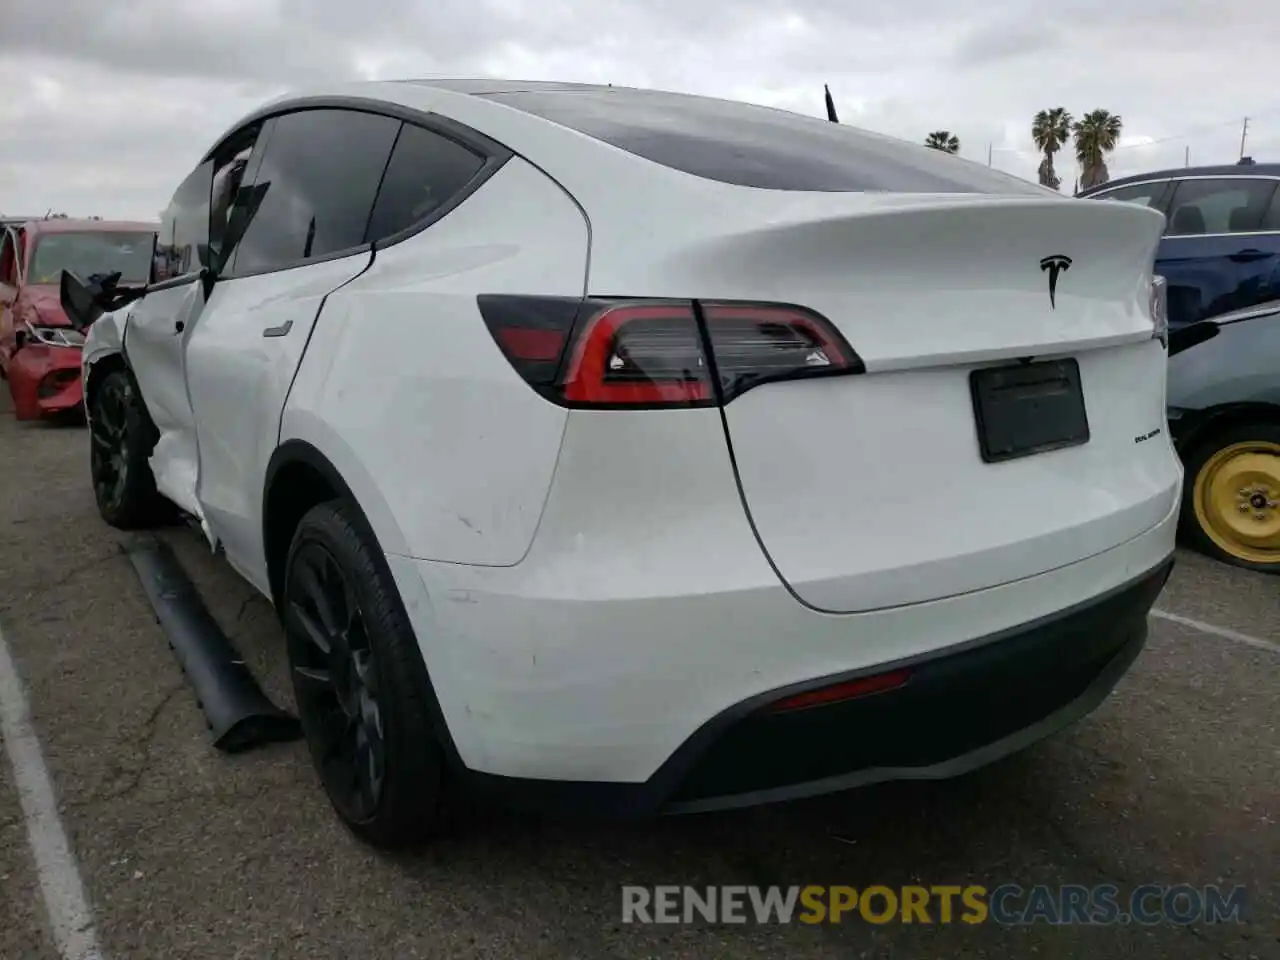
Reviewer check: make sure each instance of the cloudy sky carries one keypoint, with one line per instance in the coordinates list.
(106, 106)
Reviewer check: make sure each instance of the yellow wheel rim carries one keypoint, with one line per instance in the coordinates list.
(1237, 500)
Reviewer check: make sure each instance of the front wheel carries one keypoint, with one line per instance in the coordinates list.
(121, 438)
(360, 683)
(1231, 496)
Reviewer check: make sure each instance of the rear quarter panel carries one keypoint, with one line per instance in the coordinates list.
(1240, 365)
(403, 389)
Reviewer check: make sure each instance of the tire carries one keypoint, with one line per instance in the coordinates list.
(121, 438)
(351, 649)
(1231, 496)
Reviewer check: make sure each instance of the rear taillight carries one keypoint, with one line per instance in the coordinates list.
(599, 353)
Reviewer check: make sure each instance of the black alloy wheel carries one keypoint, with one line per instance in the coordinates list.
(121, 438)
(335, 681)
(109, 438)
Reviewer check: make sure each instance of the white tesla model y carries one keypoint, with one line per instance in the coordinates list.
(621, 451)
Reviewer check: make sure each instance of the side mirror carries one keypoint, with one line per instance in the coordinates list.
(80, 301)
(84, 301)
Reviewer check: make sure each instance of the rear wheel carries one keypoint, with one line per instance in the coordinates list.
(121, 438)
(359, 682)
(1231, 498)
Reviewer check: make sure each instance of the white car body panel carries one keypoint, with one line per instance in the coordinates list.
(589, 587)
(239, 378)
(469, 480)
(155, 340)
(105, 338)
(932, 533)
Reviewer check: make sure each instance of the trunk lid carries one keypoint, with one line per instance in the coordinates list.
(872, 490)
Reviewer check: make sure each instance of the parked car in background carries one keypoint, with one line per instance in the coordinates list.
(39, 349)
(1224, 413)
(626, 451)
(1221, 246)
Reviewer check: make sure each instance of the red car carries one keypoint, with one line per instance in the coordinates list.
(39, 351)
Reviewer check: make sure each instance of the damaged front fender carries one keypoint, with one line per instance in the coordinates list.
(105, 339)
(175, 473)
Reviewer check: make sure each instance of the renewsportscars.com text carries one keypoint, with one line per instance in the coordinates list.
(1006, 904)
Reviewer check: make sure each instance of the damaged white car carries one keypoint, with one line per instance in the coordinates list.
(624, 451)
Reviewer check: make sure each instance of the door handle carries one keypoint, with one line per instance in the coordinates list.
(280, 331)
(1244, 256)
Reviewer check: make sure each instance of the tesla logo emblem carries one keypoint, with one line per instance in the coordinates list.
(1055, 265)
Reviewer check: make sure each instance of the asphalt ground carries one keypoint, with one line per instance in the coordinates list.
(184, 852)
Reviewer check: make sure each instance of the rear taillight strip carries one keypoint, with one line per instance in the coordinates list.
(656, 354)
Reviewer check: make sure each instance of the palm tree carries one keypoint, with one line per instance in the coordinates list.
(1097, 134)
(1050, 130)
(943, 140)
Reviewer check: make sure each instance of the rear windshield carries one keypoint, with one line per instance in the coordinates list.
(85, 254)
(754, 146)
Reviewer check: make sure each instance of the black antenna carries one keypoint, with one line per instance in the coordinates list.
(831, 105)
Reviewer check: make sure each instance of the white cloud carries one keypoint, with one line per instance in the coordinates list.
(105, 112)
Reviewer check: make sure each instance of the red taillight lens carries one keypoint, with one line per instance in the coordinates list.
(839, 692)
(659, 353)
(638, 354)
(532, 333)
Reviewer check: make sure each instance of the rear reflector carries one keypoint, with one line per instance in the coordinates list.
(839, 692)
(660, 353)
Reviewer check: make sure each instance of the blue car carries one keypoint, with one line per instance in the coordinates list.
(1221, 247)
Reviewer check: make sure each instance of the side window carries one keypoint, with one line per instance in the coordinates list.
(314, 189)
(183, 238)
(1271, 219)
(8, 260)
(426, 171)
(1144, 194)
(1229, 205)
(233, 162)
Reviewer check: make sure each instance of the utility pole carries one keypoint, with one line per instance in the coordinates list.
(1244, 133)
(988, 154)
(1186, 157)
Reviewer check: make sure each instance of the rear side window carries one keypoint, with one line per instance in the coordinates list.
(314, 190)
(1271, 219)
(426, 171)
(182, 241)
(1211, 206)
(754, 146)
(1143, 194)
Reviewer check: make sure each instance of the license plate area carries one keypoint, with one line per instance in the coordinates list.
(1028, 408)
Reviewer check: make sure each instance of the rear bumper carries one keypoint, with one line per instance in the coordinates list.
(45, 381)
(957, 711)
